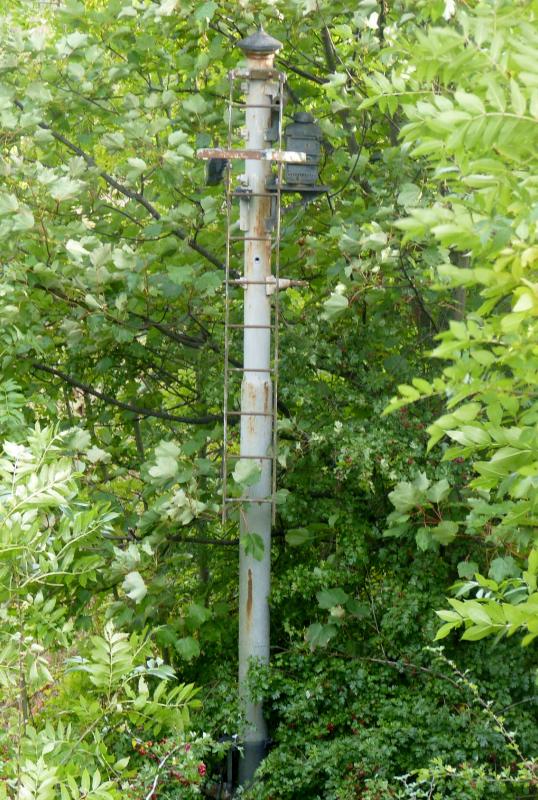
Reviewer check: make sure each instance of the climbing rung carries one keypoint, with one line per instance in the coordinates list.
(249, 413)
(260, 327)
(238, 455)
(249, 369)
(251, 239)
(246, 282)
(248, 499)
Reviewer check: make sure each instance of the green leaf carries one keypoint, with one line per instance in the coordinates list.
(187, 647)
(65, 189)
(476, 632)
(445, 532)
(334, 306)
(298, 536)
(247, 472)
(134, 586)
(503, 567)
(405, 496)
(328, 598)
(195, 104)
(409, 195)
(253, 544)
(467, 569)
(439, 491)
(8, 203)
(445, 629)
(319, 635)
(205, 12)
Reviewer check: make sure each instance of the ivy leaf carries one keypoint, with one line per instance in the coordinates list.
(319, 635)
(8, 203)
(298, 536)
(95, 454)
(134, 586)
(438, 491)
(247, 472)
(502, 568)
(328, 598)
(445, 532)
(253, 544)
(467, 569)
(65, 189)
(205, 12)
(405, 496)
(187, 647)
(334, 306)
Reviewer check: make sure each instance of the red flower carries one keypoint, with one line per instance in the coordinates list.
(202, 769)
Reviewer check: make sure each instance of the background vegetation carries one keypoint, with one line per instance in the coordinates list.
(117, 580)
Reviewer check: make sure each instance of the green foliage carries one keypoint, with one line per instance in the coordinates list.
(112, 304)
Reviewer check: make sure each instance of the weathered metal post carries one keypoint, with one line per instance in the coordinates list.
(256, 400)
(259, 221)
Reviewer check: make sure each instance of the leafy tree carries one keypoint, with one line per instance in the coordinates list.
(112, 301)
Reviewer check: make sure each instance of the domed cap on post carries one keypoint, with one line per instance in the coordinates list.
(303, 117)
(259, 44)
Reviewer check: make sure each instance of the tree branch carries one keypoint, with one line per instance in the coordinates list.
(179, 233)
(138, 410)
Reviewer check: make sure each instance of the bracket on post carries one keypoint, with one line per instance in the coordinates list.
(278, 156)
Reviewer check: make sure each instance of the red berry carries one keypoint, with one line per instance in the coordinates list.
(202, 769)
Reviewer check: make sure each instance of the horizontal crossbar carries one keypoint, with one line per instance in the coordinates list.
(281, 156)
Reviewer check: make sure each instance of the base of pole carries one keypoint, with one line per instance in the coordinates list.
(253, 755)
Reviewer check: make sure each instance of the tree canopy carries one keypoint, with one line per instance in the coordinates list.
(407, 415)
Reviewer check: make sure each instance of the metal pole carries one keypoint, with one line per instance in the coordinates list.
(256, 402)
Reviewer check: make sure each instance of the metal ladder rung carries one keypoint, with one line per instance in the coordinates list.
(246, 282)
(246, 194)
(249, 414)
(248, 499)
(254, 327)
(251, 238)
(240, 104)
(249, 369)
(238, 455)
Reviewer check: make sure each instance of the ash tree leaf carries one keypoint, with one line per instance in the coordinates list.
(134, 586)
(445, 629)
